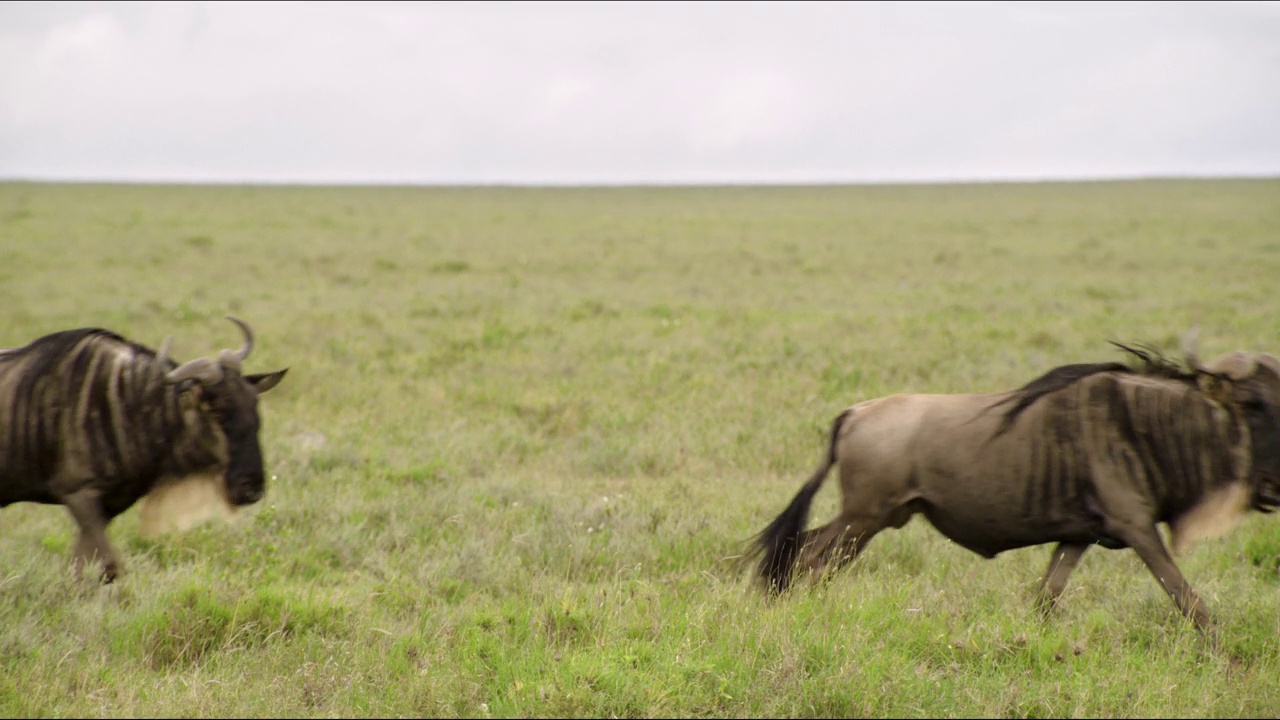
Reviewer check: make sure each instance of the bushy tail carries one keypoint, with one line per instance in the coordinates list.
(779, 544)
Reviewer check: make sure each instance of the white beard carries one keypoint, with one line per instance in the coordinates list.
(183, 503)
(1212, 517)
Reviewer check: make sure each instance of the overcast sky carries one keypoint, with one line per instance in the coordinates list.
(649, 92)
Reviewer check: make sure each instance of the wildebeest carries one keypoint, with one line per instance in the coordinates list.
(1086, 454)
(93, 421)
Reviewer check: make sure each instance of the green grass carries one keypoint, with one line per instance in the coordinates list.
(526, 433)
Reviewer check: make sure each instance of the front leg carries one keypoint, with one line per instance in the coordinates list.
(85, 507)
(1065, 558)
(1127, 510)
(1147, 543)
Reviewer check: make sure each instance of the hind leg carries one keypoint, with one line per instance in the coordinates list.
(843, 539)
(1065, 558)
(837, 543)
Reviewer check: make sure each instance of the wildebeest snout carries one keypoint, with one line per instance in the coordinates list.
(246, 481)
(246, 490)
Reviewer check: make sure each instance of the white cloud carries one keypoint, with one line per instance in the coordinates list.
(85, 40)
(636, 92)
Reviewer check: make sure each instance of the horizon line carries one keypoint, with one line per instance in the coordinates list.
(604, 184)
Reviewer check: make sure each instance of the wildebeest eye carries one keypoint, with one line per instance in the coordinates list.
(222, 407)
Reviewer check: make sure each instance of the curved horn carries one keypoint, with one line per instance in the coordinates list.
(229, 359)
(202, 369)
(1236, 365)
(243, 353)
(162, 357)
(1189, 342)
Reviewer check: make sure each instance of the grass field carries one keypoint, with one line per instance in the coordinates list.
(526, 432)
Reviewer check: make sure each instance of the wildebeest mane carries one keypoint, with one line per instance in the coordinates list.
(55, 347)
(1155, 364)
(1052, 381)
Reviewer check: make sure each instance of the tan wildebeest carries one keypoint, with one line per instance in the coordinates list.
(1085, 454)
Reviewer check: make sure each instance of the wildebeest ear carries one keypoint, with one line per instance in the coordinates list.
(1270, 362)
(263, 382)
(1215, 386)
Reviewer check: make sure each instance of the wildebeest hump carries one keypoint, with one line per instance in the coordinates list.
(1164, 440)
(85, 403)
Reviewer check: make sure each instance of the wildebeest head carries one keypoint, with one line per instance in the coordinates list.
(1250, 381)
(220, 409)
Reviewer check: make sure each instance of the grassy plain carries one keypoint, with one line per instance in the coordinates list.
(526, 432)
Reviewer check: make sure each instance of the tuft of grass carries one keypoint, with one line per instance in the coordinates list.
(187, 626)
(450, 267)
(1262, 549)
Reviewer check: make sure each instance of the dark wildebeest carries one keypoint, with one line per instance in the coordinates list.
(1086, 454)
(94, 422)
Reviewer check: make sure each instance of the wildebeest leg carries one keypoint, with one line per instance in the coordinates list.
(1151, 549)
(1065, 558)
(819, 548)
(805, 539)
(86, 507)
(841, 539)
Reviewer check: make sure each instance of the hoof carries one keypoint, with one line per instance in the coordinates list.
(109, 573)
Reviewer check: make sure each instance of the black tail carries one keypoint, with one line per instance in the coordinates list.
(779, 544)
